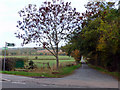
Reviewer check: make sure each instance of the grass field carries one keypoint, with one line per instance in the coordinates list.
(51, 62)
(51, 59)
(43, 57)
(47, 59)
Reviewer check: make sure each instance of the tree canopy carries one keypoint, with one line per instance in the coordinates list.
(48, 25)
(99, 37)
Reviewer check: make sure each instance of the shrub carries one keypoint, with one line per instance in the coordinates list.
(9, 64)
(76, 55)
(36, 57)
(12, 63)
(32, 65)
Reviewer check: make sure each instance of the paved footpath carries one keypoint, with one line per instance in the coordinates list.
(84, 77)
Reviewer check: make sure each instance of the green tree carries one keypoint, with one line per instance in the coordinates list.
(99, 36)
(67, 48)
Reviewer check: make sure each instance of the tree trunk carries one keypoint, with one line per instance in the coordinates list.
(57, 59)
(57, 62)
(56, 43)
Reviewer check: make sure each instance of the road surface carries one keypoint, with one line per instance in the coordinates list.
(84, 77)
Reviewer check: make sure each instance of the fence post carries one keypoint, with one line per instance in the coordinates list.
(48, 65)
(43, 65)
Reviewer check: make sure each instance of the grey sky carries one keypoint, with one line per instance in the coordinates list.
(9, 17)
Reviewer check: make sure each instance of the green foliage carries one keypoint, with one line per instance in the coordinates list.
(10, 63)
(36, 57)
(99, 38)
(68, 70)
(31, 64)
(68, 49)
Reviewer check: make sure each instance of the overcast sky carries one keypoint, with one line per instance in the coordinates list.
(9, 17)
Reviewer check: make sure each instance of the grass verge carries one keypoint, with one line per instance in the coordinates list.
(62, 72)
(114, 74)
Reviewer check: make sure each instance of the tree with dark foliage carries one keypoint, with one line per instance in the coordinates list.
(48, 25)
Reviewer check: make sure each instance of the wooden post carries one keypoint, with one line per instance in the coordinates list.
(43, 65)
(48, 65)
(53, 66)
(60, 65)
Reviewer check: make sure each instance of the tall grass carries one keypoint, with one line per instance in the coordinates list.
(39, 63)
(62, 72)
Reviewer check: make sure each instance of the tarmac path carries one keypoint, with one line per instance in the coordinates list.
(84, 77)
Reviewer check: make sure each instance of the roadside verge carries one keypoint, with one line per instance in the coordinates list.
(58, 74)
(102, 70)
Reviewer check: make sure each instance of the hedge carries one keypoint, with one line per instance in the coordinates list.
(12, 63)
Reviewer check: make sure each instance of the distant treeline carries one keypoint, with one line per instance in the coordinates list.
(27, 51)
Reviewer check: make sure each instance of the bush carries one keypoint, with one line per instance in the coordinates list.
(36, 57)
(77, 56)
(10, 63)
(32, 65)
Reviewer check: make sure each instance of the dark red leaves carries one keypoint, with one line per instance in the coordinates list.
(74, 9)
(47, 9)
(34, 34)
(46, 32)
(49, 3)
(28, 15)
(43, 22)
(45, 44)
(83, 24)
(45, 2)
(99, 12)
(81, 18)
(111, 4)
(43, 15)
(19, 22)
(30, 6)
(83, 14)
(105, 12)
(97, 4)
(42, 8)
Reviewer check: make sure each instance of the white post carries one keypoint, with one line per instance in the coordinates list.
(4, 56)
